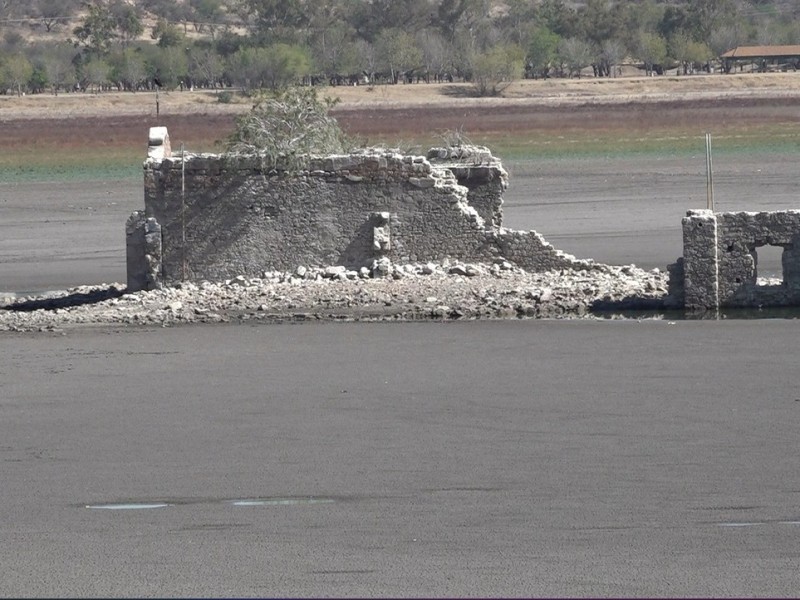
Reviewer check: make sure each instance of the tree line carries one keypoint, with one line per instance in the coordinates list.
(63, 45)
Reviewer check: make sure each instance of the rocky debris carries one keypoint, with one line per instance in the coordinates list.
(386, 292)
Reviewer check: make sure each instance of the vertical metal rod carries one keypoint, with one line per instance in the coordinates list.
(157, 104)
(709, 175)
(183, 213)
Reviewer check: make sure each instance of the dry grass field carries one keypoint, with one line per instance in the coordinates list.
(551, 92)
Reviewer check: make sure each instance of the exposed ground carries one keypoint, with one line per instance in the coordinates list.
(200, 127)
(504, 459)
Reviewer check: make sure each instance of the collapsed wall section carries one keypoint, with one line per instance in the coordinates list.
(481, 173)
(220, 216)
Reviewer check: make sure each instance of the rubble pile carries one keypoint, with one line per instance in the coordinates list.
(410, 292)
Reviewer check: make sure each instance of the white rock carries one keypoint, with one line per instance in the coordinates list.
(382, 267)
(334, 271)
(457, 270)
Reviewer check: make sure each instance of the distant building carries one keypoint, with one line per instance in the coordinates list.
(762, 58)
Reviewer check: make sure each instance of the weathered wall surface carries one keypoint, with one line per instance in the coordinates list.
(143, 249)
(481, 173)
(221, 215)
(720, 252)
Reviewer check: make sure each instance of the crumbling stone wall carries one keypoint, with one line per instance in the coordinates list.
(143, 248)
(220, 216)
(481, 173)
(720, 256)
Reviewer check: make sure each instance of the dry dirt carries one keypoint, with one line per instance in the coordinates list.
(402, 111)
(201, 130)
(539, 92)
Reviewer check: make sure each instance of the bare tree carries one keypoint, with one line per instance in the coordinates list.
(53, 13)
(496, 69)
(334, 50)
(57, 64)
(725, 38)
(96, 74)
(367, 58)
(16, 71)
(206, 65)
(435, 52)
(576, 54)
(285, 129)
(398, 52)
(612, 52)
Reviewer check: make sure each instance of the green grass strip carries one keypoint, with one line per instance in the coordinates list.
(97, 164)
(69, 165)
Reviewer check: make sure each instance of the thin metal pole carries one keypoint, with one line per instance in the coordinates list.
(183, 212)
(709, 175)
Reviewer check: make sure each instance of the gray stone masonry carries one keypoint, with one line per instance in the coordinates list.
(720, 252)
(701, 287)
(143, 244)
(481, 173)
(221, 216)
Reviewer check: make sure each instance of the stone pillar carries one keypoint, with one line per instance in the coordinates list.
(700, 269)
(791, 264)
(143, 248)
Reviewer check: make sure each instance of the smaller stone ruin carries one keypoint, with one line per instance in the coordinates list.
(720, 259)
(215, 217)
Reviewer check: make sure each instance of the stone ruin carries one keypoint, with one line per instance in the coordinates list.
(215, 217)
(720, 259)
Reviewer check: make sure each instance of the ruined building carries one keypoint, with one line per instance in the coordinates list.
(720, 259)
(215, 217)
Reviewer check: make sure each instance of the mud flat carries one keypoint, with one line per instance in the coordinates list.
(504, 458)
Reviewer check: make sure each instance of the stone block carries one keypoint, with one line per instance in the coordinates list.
(381, 239)
(158, 146)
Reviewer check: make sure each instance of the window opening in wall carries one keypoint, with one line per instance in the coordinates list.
(769, 265)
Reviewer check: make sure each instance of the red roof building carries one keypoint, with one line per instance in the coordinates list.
(762, 56)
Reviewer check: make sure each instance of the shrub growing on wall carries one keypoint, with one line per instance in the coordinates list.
(285, 127)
